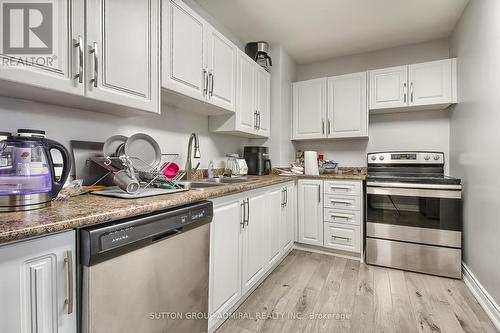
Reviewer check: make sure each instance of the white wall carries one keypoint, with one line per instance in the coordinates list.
(396, 56)
(425, 130)
(171, 129)
(281, 149)
(475, 137)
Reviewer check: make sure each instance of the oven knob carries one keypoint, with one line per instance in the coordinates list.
(381, 157)
(427, 157)
(436, 157)
(374, 157)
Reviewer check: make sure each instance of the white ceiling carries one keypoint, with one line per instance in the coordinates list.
(315, 30)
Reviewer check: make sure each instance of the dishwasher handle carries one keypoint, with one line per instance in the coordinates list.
(165, 235)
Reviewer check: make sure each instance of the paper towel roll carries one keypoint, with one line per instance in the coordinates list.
(311, 163)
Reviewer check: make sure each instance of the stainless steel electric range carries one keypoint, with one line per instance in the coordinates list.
(413, 213)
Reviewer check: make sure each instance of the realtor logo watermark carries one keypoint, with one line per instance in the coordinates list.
(28, 33)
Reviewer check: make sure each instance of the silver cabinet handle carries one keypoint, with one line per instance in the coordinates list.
(329, 127)
(248, 211)
(282, 197)
(346, 239)
(258, 120)
(345, 218)
(211, 75)
(286, 197)
(243, 217)
(255, 120)
(322, 127)
(69, 285)
(345, 202)
(404, 92)
(319, 193)
(205, 82)
(96, 65)
(411, 92)
(79, 44)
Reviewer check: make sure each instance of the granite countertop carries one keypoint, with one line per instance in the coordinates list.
(88, 209)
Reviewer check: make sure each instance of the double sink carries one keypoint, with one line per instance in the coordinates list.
(208, 183)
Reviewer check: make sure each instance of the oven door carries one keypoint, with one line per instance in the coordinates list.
(417, 215)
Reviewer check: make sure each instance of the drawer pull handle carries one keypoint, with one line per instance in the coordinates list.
(346, 218)
(345, 239)
(345, 202)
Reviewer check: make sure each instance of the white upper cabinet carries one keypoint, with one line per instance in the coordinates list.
(263, 102)
(221, 71)
(428, 85)
(389, 87)
(330, 108)
(309, 109)
(431, 82)
(58, 69)
(253, 102)
(347, 106)
(197, 60)
(105, 57)
(123, 52)
(246, 118)
(184, 50)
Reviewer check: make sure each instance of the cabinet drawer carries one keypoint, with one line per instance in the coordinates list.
(342, 187)
(342, 202)
(342, 237)
(342, 216)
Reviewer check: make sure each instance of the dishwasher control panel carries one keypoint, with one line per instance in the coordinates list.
(118, 237)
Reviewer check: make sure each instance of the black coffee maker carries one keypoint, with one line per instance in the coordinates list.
(257, 159)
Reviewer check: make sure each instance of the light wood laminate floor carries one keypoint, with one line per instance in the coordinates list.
(355, 297)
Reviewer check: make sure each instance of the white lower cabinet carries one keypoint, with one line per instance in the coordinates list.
(330, 214)
(250, 233)
(310, 211)
(225, 257)
(37, 285)
(254, 240)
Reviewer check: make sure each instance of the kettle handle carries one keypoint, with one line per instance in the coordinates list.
(267, 167)
(57, 185)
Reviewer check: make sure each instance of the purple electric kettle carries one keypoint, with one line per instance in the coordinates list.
(27, 176)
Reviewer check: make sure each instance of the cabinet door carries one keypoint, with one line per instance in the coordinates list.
(310, 220)
(35, 282)
(123, 53)
(245, 94)
(389, 88)
(254, 242)
(263, 101)
(275, 201)
(430, 83)
(225, 263)
(288, 220)
(347, 106)
(309, 109)
(222, 71)
(183, 50)
(57, 58)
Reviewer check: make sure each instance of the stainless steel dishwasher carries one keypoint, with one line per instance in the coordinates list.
(148, 274)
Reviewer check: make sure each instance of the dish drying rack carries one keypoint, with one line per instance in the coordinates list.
(147, 175)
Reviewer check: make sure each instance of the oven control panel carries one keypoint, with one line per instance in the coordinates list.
(406, 157)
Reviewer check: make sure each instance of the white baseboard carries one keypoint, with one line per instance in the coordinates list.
(483, 297)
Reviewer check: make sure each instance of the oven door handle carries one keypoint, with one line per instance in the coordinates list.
(415, 192)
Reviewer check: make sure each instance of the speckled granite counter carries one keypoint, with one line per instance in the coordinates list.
(91, 209)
